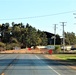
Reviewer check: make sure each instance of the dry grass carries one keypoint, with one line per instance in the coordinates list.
(26, 51)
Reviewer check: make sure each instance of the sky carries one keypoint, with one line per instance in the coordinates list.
(41, 14)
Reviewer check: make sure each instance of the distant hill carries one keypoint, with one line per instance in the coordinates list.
(51, 40)
(49, 35)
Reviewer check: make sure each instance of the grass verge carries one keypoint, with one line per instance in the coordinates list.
(71, 57)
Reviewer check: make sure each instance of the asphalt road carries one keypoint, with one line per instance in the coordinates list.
(31, 64)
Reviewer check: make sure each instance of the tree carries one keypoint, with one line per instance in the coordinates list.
(13, 40)
(43, 37)
(5, 32)
(19, 34)
(70, 38)
(31, 36)
(16, 32)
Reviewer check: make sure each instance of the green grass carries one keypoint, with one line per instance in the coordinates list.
(66, 56)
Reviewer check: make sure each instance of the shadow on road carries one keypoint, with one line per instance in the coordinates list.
(36, 62)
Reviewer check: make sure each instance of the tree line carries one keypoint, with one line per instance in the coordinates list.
(21, 35)
(70, 38)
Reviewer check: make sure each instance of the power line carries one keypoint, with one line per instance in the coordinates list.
(40, 16)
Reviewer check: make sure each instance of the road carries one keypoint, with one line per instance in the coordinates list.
(31, 64)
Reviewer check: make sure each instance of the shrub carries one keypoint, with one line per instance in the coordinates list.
(2, 44)
(12, 45)
(57, 49)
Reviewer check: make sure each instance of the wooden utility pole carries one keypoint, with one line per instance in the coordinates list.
(63, 24)
(54, 34)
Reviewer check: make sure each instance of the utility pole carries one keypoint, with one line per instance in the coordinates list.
(54, 34)
(63, 24)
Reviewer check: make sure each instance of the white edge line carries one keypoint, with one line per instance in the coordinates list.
(54, 70)
(49, 66)
(37, 57)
